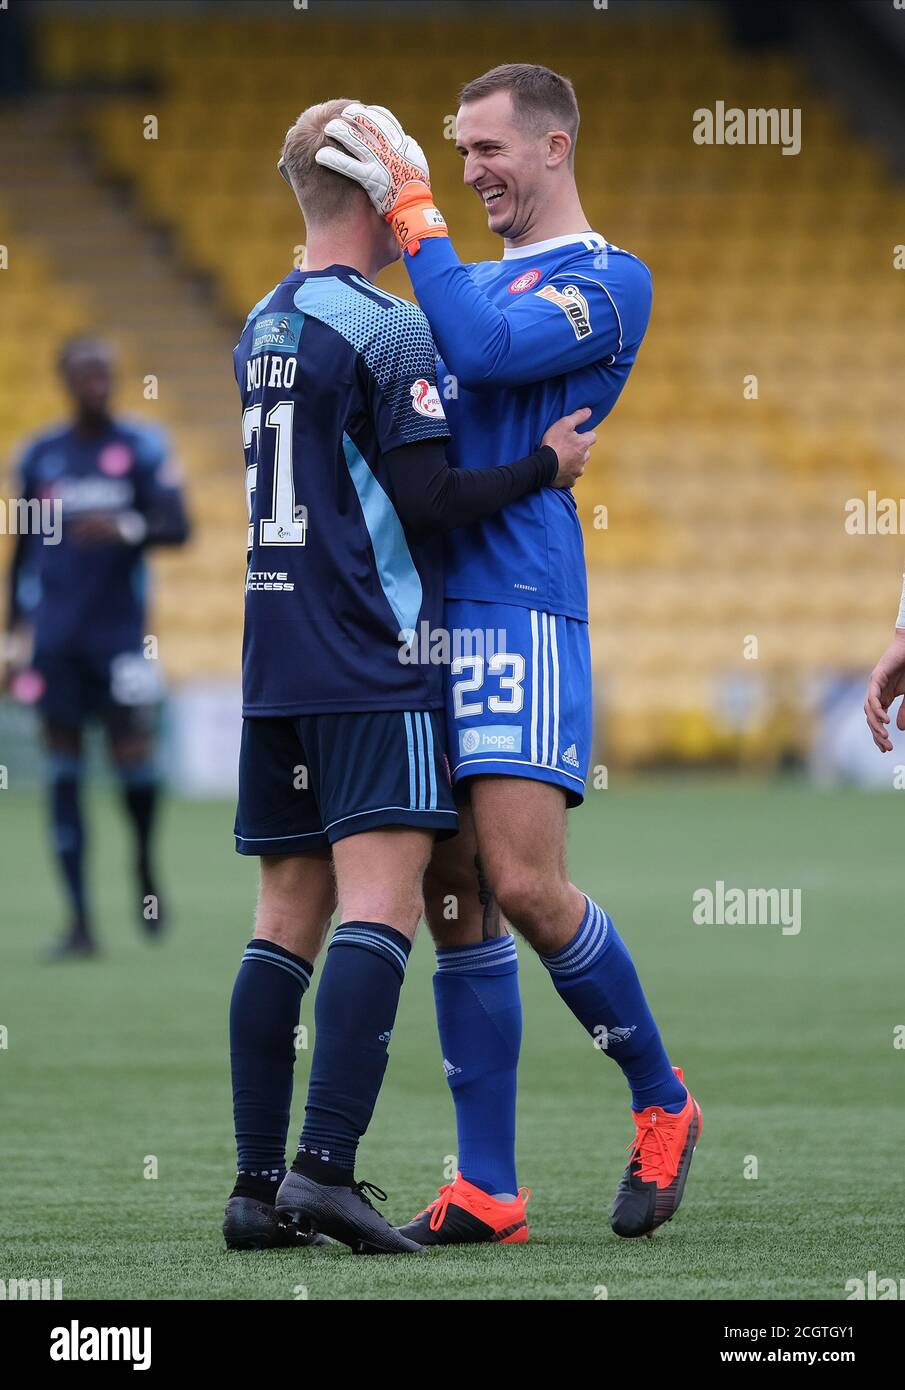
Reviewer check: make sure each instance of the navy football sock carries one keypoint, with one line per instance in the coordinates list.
(260, 1183)
(594, 974)
(263, 1016)
(140, 789)
(68, 836)
(479, 1017)
(354, 1015)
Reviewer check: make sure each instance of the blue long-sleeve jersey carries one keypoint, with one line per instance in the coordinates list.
(521, 342)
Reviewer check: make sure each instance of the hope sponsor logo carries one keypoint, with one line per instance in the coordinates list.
(277, 333)
(573, 304)
(426, 399)
(526, 281)
(493, 738)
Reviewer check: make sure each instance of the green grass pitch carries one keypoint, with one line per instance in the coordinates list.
(788, 1041)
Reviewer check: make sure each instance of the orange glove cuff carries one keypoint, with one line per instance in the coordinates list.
(415, 218)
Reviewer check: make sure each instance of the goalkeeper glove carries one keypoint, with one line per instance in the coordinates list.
(391, 168)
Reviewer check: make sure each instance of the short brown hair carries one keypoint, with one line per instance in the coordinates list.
(323, 195)
(542, 98)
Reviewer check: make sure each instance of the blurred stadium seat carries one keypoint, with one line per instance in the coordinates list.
(724, 515)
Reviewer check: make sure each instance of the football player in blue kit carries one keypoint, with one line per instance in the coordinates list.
(555, 323)
(98, 493)
(343, 778)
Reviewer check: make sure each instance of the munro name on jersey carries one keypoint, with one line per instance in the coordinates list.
(270, 370)
(275, 341)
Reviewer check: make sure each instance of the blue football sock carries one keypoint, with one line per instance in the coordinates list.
(595, 976)
(479, 1017)
(67, 832)
(263, 1016)
(354, 1015)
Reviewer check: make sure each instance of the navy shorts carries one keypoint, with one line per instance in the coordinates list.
(120, 690)
(309, 780)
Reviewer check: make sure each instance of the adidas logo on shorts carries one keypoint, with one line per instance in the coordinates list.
(570, 756)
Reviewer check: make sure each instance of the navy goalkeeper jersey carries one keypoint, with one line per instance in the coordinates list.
(333, 375)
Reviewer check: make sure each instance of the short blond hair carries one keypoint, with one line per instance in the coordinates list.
(323, 195)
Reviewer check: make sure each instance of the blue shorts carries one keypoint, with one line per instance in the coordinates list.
(120, 689)
(521, 707)
(309, 780)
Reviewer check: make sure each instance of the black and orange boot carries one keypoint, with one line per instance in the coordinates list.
(660, 1157)
(463, 1214)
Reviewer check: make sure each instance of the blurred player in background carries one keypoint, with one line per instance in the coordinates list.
(77, 600)
(555, 323)
(343, 779)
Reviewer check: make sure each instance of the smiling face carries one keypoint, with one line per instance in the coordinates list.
(509, 165)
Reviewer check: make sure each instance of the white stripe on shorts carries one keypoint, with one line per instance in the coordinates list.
(534, 654)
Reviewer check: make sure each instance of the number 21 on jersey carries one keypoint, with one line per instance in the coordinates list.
(287, 522)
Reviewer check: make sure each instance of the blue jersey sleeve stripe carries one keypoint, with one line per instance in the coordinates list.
(576, 275)
(379, 293)
(396, 570)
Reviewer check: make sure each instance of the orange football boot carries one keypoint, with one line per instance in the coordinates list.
(463, 1214)
(660, 1157)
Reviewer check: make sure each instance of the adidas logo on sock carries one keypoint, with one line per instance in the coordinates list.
(571, 755)
(450, 1070)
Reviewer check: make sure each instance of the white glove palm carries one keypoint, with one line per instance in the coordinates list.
(388, 164)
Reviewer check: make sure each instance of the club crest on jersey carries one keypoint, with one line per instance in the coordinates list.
(277, 333)
(526, 281)
(573, 304)
(426, 399)
(115, 460)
